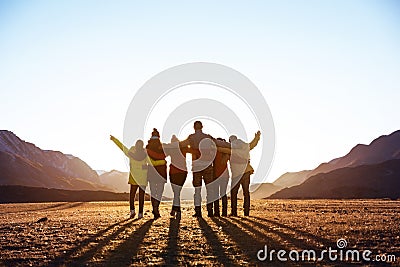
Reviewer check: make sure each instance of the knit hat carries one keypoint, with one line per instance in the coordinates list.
(155, 134)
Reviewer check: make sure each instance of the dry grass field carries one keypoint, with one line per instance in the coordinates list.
(99, 233)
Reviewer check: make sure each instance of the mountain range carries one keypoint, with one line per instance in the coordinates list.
(380, 180)
(22, 163)
(114, 179)
(358, 174)
(380, 157)
(385, 147)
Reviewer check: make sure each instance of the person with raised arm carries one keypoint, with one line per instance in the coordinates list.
(138, 163)
(241, 170)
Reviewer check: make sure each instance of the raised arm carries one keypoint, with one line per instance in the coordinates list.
(119, 144)
(255, 140)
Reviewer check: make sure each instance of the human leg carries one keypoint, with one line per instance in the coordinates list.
(223, 184)
(208, 176)
(234, 193)
(142, 192)
(153, 195)
(177, 181)
(216, 202)
(245, 182)
(176, 203)
(159, 190)
(197, 183)
(132, 195)
(217, 188)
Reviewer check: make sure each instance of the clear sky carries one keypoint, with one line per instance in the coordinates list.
(329, 70)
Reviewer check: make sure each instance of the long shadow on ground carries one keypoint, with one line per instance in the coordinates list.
(66, 257)
(215, 243)
(124, 254)
(250, 244)
(170, 256)
(250, 224)
(318, 239)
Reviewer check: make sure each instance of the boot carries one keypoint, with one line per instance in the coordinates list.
(224, 213)
(225, 206)
(216, 208)
(197, 212)
(156, 211)
(246, 212)
(234, 212)
(156, 214)
(210, 212)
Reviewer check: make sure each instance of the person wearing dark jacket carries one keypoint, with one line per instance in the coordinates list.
(203, 149)
(157, 175)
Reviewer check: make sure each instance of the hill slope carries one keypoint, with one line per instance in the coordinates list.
(116, 180)
(367, 181)
(22, 163)
(383, 148)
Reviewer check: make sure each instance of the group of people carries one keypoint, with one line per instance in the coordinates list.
(210, 158)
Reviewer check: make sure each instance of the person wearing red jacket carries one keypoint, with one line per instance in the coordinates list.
(157, 175)
(177, 173)
(221, 179)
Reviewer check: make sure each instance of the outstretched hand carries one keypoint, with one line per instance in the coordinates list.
(258, 133)
(112, 137)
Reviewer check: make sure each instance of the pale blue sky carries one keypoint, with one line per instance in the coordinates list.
(329, 70)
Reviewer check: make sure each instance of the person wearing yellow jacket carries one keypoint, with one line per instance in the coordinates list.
(138, 162)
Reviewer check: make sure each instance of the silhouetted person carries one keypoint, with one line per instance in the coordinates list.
(138, 162)
(177, 173)
(156, 174)
(202, 165)
(241, 170)
(221, 179)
